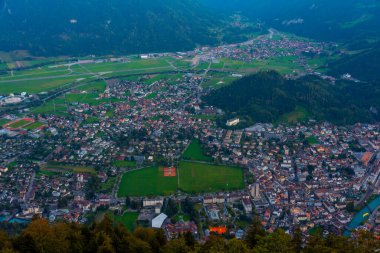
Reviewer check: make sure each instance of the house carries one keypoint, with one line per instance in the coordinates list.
(104, 200)
(179, 228)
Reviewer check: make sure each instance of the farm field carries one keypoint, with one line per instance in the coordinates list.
(195, 152)
(191, 177)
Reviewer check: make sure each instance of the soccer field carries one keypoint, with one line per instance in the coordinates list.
(146, 182)
(191, 177)
(201, 177)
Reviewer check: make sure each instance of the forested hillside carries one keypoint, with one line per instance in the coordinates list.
(72, 27)
(364, 65)
(339, 20)
(40, 236)
(267, 96)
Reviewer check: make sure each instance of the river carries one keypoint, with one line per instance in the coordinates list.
(362, 216)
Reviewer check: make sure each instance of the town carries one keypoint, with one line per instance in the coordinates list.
(147, 151)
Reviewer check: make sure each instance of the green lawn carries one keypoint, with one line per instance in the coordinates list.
(35, 86)
(206, 117)
(128, 219)
(46, 173)
(200, 177)
(151, 95)
(312, 140)
(3, 121)
(97, 86)
(146, 182)
(34, 125)
(299, 114)
(193, 178)
(108, 185)
(56, 107)
(57, 167)
(195, 152)
(124, 164)
(19, 123)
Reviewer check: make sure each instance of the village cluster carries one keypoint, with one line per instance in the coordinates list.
(70, 164)
(69, 167)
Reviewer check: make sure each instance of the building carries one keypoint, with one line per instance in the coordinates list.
(232, 122)
(255, 191)
(153, 202)
(159, 220)
(247, 204)
(173, 230)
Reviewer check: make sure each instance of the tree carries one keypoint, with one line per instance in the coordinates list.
(127, 201)
(237, 246)
(297, 240)
(214, 244)
(176, 246)
(92, 186)
(190, 240)
(171, 208)
(350, 207)
(277, 242)
(44, 238)
(5, 242)
(254, 231)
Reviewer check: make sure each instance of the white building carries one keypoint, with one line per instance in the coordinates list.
(159, 220)
(233, 122)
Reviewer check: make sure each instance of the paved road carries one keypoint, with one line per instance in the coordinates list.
(30, 187)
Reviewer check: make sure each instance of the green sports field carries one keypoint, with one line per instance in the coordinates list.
(34, 125)
(192, 177)
(201, 177)
(146, 182)
(19, 123)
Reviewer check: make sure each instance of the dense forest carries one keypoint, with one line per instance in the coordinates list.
(40, 236)
(267, 96)
(71, 27)
(74, 28)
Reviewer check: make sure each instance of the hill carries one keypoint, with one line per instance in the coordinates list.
(339, 20)
(267, 97)
(364, 65)
(71, 27)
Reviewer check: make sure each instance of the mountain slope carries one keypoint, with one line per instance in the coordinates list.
(340, 20)
(364, 65)
(52, 27)
(267, 96)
